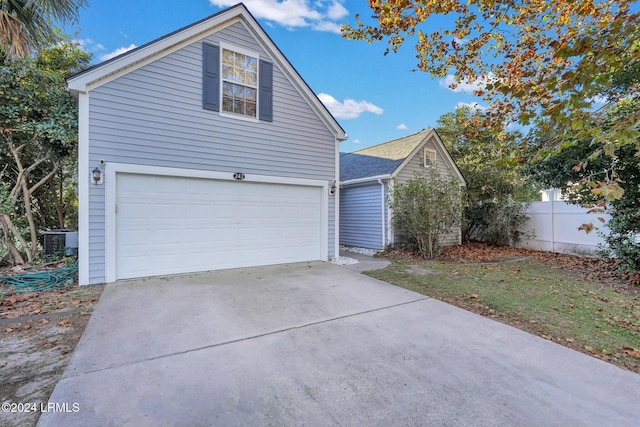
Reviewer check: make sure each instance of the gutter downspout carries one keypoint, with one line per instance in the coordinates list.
(384, 224)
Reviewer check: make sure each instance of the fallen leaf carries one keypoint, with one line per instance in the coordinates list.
(75, 302)
(474, 296)
(11, 300)
(8, 330)
(26, 326)
(589, 349)
(36, 311)
(65, 323)
(44, 321)
(84, 313)
(632, 352)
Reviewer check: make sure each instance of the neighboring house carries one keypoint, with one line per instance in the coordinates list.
(367, 177)
(203, 150)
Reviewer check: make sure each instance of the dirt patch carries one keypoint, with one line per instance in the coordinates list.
(38, 333)
(418, 269)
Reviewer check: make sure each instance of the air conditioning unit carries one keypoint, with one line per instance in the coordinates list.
(61, 242)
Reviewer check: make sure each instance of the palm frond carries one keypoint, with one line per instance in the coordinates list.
(26, 24)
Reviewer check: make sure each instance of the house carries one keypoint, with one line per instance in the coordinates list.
(367, 177)
(203, 150)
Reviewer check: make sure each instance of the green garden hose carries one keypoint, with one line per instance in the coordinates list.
(58, 279)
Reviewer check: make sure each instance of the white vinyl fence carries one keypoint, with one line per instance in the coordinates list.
(553, 226)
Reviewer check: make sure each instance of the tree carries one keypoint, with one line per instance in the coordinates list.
(495, 183)
(26, 25)
(425, 208)
(38, 134)
(536, 62)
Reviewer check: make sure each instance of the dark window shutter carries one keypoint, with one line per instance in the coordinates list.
(266, 91)
(210, 77)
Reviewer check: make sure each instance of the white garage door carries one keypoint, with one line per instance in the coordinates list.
(168, 225)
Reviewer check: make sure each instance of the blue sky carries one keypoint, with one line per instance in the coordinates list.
(374, 97)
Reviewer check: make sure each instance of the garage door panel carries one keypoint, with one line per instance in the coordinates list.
(168, 225)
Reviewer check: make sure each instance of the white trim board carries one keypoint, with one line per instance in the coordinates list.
(84, 178)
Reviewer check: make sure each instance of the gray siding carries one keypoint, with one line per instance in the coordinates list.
(361, 216)
(417, 162)
(154, 116)
(414, 165)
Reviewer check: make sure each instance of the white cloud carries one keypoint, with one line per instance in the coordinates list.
(349, 109)
(87, 45)
(460, 42)
(322, 16)
(402, 126)
(355, 141)
(465, 85)
(336, 11)
(117, 52)
(472, 105)
(330, 27)
(599, 99)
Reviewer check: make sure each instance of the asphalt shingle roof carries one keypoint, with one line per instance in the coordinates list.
(381, 159)
(355, 166)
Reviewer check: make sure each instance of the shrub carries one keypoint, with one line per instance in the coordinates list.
(496, 222)
(623, 240)
(425, 208)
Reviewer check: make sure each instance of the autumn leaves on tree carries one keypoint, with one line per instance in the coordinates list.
(545, 64)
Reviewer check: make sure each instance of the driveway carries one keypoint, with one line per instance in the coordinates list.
(320, 345)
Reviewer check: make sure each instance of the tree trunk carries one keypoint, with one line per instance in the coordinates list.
(58, 198)
(6, 239)
(26, 194)
(22, 184)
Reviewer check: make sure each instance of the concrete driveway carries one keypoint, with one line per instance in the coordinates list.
(320, 345)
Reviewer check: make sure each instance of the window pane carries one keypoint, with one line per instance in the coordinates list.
(227, 63)
(227, 57)
(227, 104)
(251, 95)
(251, 76)
(237, 91)
(227, 90)
(238, 106)
(251, 109)
(227, 71)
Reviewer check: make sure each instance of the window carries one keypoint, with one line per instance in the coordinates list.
(236, 82)
(239, 83)
(429, 157)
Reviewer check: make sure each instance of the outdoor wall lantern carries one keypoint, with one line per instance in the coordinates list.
(333, 188)
(96, 175)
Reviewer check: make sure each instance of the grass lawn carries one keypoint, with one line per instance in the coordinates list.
(536, 295)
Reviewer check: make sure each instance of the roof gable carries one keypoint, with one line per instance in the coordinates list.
(385, 160)
(107, 71)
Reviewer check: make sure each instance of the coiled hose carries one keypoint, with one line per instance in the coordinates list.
(58, 279)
